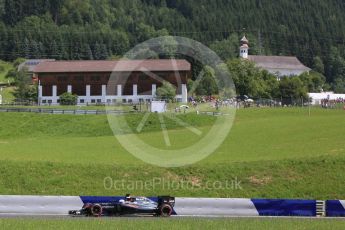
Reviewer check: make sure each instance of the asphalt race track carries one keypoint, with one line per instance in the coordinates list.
(132, 217)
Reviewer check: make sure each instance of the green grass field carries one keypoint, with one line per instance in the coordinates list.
(270, 153)
(123, 223)
(274, 153)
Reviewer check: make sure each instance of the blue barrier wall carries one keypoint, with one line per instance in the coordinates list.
(282, 207)
(100, 199)
(60, 205)
(264, 207)
(335, 208)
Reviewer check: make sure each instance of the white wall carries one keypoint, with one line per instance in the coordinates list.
(108, 99)
(318, 97)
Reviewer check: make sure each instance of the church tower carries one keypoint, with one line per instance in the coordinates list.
(244, 48)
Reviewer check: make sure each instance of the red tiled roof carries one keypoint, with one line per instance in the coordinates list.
(278, 62)
(110, 66)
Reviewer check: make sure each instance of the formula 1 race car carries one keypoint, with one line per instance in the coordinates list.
(130, 205)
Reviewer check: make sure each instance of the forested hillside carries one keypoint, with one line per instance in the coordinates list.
(313, 30)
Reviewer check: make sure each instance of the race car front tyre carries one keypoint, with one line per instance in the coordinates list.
(165, 210)
(96, 210)
(72, 212)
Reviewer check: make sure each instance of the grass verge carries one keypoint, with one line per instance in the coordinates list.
(320, 178)
(274, 153)
(119, 223)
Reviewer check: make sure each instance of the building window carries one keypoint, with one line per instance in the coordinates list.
(124, 101)
(82, 101)
(93, 101)
(50, 101)
(99, 100)
(44, 101)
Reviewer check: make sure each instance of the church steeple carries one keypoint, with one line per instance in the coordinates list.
(244, 48)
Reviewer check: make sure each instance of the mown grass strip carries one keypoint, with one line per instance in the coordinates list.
(320, 178)
(173, 223)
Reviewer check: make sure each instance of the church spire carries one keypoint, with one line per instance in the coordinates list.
(244, 48)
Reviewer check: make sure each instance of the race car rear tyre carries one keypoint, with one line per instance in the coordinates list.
(96, 210)
(86, 209)
(165, 210)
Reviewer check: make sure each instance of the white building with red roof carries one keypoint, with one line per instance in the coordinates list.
(110, 82)
(281, 66)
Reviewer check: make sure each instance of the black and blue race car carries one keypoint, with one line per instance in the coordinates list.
(130, 205)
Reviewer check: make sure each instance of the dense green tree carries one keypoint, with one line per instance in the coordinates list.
(55, 7)
(68, 99)
(13, 72)
(270, 85)
(336, 65)
(318, 65)
(10, 15)
(24, 90)
(2, 8)
(292, 87)
(168, 47)
(227, 48)
(312, 30)
(256, 83)
(97, 51)
(104, 52)
(35, 50)
(167, 91)
(86, 52)
(206, 84)
(252, 81)
(55, 49)
(339, 85)
(17, 62)
(26, 48)
(313, 81)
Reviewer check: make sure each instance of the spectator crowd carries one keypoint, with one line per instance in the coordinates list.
(332, 103)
